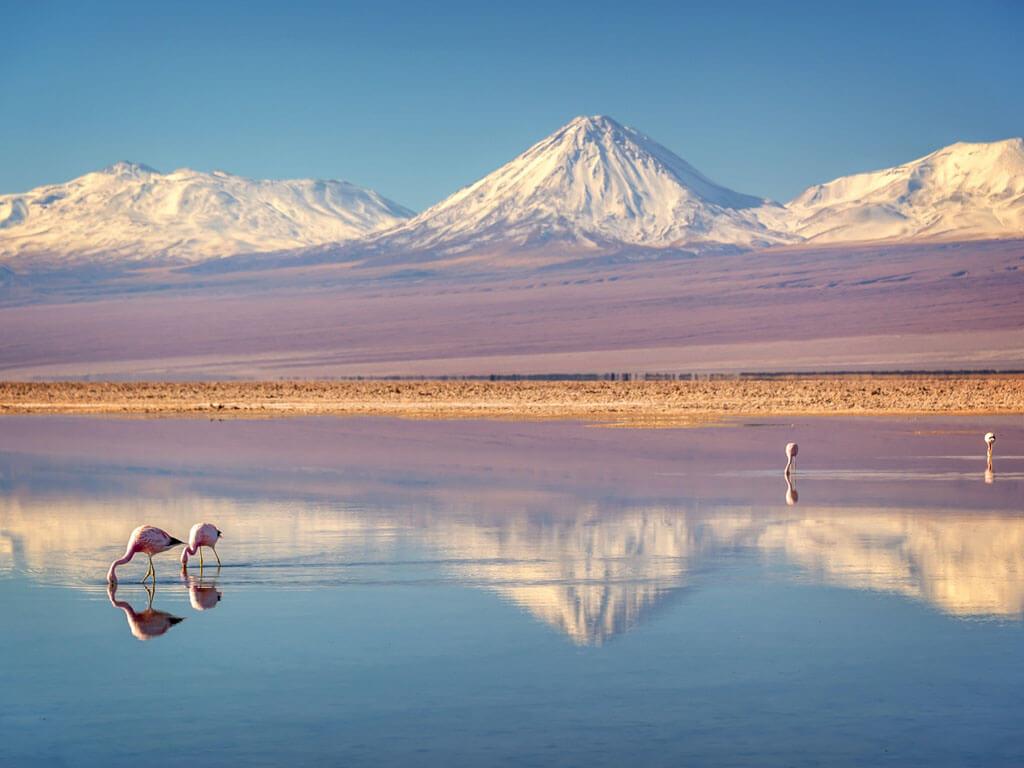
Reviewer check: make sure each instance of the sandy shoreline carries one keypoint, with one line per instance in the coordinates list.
(626, 403)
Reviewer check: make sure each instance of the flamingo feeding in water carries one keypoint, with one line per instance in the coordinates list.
(990, 440)
(149, 540)
(792, 449)
(201, 535)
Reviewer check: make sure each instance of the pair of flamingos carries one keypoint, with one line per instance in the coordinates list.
(792, 449)
(150, 540)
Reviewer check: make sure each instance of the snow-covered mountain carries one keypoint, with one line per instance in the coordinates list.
(594, 186)
(130, 213)
(593, 182)
(963, 191)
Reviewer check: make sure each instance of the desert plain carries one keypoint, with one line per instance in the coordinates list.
(623, 403)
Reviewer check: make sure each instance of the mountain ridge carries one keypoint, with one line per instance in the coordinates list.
(965, 189)
(591, 189)
(130, 212)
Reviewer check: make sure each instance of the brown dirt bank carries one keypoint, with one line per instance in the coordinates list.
(655, 403)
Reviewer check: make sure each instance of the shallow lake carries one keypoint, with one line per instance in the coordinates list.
(497, 593)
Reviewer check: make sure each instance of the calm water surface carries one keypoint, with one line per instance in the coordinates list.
(465, 593)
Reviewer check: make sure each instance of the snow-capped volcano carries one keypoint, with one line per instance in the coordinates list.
(594, 186)
(964, 191)
(592, 182)
(131, 212)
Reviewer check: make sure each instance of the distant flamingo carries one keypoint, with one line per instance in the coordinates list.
(149, 541)
(990, 440)
(792, 449)
(146, 624)
(201, 535)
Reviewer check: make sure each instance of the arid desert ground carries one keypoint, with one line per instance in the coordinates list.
(935, 307)
(628, 403)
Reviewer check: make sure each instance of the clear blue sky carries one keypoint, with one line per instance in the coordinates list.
(765, 97)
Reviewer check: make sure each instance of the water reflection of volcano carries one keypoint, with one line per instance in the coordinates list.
(964, 565)
(588, 572)
(590, 577)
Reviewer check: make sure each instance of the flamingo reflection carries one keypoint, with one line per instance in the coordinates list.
(792, 497)
(147, 624)
(203, 596)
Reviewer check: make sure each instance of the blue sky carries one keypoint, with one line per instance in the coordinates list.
(416, 102)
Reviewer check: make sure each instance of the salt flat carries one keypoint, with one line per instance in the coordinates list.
(879, 307)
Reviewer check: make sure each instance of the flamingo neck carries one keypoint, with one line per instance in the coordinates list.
(188, 551)
(111, 575)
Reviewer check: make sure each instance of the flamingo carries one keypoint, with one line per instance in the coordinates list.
(201, 535)
(150, 541)
(792, 449)
(990, 440)
(146, 624)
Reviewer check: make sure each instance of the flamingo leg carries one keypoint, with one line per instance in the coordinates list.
(149, 570)
(200, 558)
(216, 555)
(152, 570)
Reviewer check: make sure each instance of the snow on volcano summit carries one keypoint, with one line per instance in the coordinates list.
(130, 212)
(593, 181)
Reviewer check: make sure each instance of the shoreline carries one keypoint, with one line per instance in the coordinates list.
(608, 403)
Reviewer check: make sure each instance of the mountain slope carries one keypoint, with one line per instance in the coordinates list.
(593, 182)
(130, 212)
(963, 191)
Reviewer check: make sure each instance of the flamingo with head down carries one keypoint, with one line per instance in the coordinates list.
(149, 540)
(792, 449)
(201, 535)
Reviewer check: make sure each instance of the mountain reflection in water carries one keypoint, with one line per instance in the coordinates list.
(590, 573)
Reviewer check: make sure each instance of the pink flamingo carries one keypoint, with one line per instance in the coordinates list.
(148, 540)
(792, 449)
(146, 624)
(201, 535)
